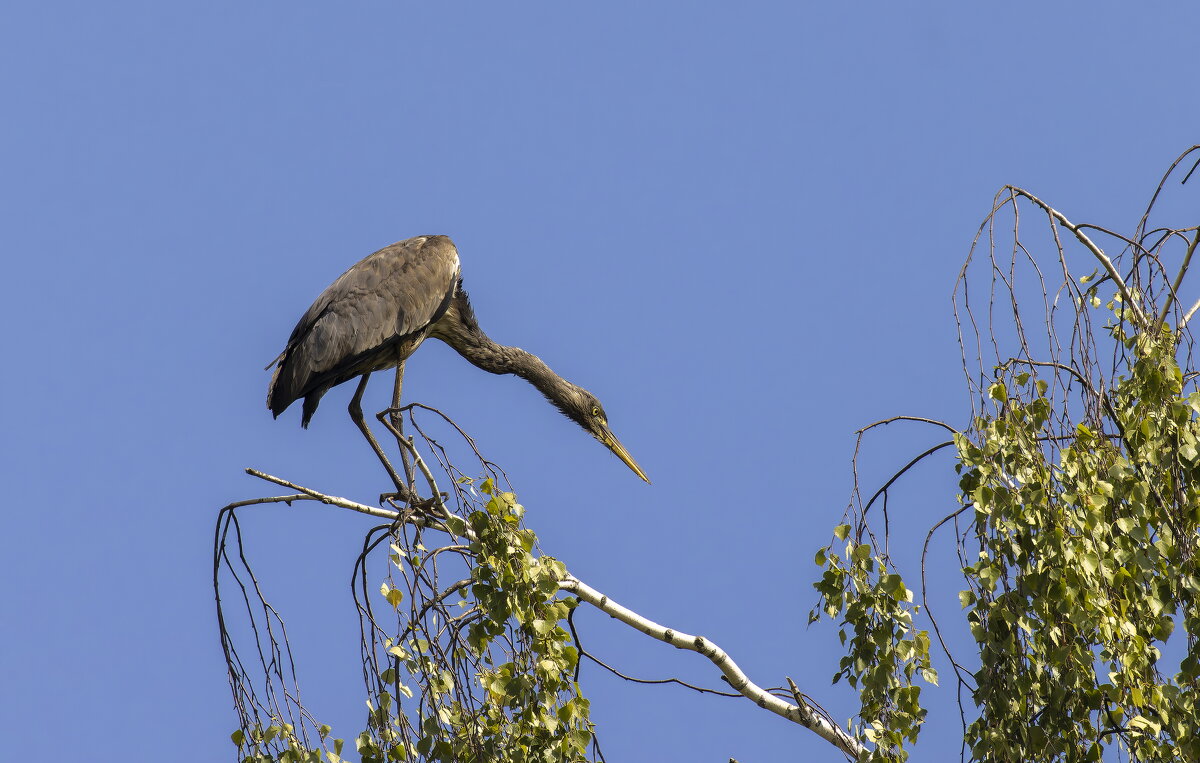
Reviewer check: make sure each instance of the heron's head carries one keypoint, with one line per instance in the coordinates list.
(584, 409)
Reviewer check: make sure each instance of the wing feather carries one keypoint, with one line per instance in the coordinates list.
(353, 327)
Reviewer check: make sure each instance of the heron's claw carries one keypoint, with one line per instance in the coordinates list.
(402, 501)
(391, 499)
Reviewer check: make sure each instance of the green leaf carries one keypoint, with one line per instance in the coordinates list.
(581, 738)
(398, 652)
(1090, 562)
(394, 595)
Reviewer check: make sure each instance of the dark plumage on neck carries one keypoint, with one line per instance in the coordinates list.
(460, 329)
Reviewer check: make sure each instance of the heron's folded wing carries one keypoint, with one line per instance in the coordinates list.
(392, 293)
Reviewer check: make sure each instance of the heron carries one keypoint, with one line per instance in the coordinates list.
(376, 315)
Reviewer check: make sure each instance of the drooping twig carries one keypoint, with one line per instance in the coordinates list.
(634, 679)
(918, 419)
(1096, 251)
(883, 490)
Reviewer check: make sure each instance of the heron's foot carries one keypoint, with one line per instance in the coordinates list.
(402, 501)
(398, 500)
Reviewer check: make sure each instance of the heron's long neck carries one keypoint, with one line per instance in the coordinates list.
(500, 359)
(468, 340)
(459, 328)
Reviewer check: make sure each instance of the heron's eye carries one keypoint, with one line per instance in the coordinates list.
(596, 412)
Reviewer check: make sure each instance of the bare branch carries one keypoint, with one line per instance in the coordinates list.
(636, 680)
(345, 503)
(1162, 183)
(272, 499)
(1052, 364)
(806, 716)
(1173, 293)
(406, 444)
(1188, 316)
(918, 419)
(883, 490)
(1096, 251)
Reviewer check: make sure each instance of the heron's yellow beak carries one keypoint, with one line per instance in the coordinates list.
(612, 443)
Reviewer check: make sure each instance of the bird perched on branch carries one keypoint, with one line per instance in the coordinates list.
(377, 314)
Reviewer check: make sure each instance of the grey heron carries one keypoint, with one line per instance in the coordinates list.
(377, 314)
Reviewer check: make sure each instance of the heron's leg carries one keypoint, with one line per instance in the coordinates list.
(356, 415)
(397, 419)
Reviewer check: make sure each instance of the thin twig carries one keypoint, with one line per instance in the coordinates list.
(634, 679)
(883, 490)
(412, 453)
(1096, 251)
(919, 419)
(332, 500)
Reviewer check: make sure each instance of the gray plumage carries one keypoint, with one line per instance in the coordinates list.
(377, 313)
(372, 317)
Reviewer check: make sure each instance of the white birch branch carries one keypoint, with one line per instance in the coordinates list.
(307, 494)
(332, 500)
(806, 716)
(1189, 314)
(1174, 292)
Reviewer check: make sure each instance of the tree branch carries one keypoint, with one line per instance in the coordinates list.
(1096, 251)
(345, 503)
(918, 419)
(806, 715)
(1173, 294)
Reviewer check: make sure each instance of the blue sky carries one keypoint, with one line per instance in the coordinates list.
(738, 227)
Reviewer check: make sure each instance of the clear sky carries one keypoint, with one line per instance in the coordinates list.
(737, 224)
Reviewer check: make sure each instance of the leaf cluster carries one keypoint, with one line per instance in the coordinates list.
(1085, 564)
(494, 682)
(885, 652)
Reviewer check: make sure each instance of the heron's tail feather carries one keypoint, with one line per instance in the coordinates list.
(281, 393)
(310, 406)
